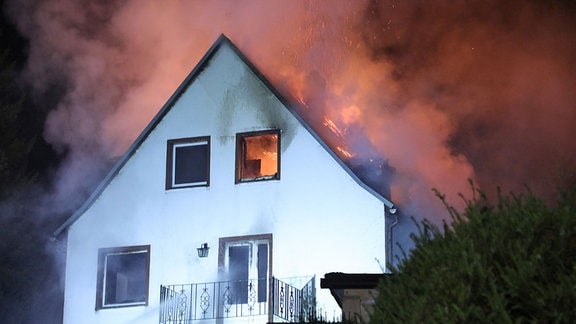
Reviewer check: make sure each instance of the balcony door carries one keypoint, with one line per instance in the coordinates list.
(246, 263)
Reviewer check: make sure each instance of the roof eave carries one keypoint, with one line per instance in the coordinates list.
(222, 39)
(142, 137)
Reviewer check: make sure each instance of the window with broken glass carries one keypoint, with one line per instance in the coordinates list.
(123, 276)
(258, 156)
(188, 162)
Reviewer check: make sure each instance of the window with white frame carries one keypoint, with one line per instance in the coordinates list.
(188, 162)
(246, 261)
(123, 274)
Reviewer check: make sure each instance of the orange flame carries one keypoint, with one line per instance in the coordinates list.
(332, 126)
(344, 152)
(410, 85)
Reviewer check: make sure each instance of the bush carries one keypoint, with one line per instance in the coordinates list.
(514, 261)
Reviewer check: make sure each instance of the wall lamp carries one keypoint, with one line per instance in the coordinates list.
(203, 250)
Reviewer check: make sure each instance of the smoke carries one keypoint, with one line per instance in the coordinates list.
(442, 91)
(439, 91)
(498, 75)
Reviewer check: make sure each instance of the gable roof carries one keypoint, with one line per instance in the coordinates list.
(203, 63)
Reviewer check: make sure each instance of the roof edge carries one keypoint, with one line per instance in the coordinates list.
(199, 67)
(290, 107)
(143, 135)
(339, 280)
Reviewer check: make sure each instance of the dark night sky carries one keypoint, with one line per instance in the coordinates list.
(481, 89)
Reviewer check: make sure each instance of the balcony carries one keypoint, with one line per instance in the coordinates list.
(271, 300)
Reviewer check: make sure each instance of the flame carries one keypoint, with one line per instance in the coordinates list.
(344, 152)
(302, 102)
(260, 155)
(440, 96)
(332, 126)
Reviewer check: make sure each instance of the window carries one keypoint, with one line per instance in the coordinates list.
(258, 156)
(123, 276)
(246, 262)
(188, 162)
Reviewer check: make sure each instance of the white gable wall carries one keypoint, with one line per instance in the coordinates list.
(321, 219)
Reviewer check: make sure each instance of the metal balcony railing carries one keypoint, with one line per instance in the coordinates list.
(291, 304)
(273, 300)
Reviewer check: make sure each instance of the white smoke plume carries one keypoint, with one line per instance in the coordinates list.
(442, 91)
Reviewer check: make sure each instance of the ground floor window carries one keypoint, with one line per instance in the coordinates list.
(123, 274)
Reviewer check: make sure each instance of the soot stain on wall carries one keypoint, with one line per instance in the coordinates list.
(249, 95)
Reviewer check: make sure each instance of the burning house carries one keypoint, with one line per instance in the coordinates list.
(228, 206)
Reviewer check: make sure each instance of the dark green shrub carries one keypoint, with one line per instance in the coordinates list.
(514, 261)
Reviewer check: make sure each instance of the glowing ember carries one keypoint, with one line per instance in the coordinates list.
(344, 152)
(444, 92)
(332, 126)
(303, 103)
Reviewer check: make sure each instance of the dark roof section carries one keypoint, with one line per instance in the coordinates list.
(339, 280)
(222, 40)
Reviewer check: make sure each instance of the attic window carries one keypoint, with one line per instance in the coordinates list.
(188, 162)
(258, 156)
(123, 276)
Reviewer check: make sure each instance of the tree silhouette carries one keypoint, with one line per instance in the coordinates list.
(512, 261)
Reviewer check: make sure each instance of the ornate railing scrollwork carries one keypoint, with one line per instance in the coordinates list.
(226, 299)
(292, 304)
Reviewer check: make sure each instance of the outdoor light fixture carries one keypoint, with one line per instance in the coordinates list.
(203, 250)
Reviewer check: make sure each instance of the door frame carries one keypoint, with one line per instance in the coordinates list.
(224, 241)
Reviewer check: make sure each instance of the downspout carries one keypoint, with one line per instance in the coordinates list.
(389, 223)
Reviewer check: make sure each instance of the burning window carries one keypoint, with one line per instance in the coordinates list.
(123, 276)
(258, 156)
(188, 162)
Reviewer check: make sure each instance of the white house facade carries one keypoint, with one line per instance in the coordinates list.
(226, 165)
